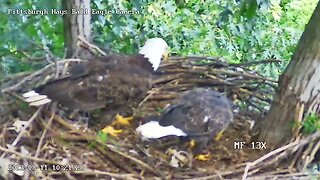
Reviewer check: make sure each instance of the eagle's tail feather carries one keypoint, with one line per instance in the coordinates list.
(47, 92)
(153, 130)
(35, 99)
(29, 94)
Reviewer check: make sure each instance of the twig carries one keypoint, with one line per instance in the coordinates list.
(16, 86)
(23, 156)
(23, 130)
(201, 70)
(151, 93)
(275, 172)
(167, 78)
(308, 156)
(141, 163)
(256, 63)
(16, 76)
(3, 135)
(25, 79)
(195, 58)
(100, 173)
(250, 164)
(253, 76)
(72, 137)
(45, 48)
(163, 97)
(154, 91)
(281, 149)
(64, 123)
(292, 175)
(218, 59)
(53, 110)
(45, 130)
(90, 46)
(219, 174)
(68, 175)
(5, 102)
(114, 160)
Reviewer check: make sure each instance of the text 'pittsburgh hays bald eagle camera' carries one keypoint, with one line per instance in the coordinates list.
(110, 82)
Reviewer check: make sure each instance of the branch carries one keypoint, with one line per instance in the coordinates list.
(294, 146)
(23, 130)
(31, 76)
(23, 156)
(256, 63)
(86, 44)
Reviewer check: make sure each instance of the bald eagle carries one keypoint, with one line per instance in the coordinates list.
(198, 114)
(108, 82)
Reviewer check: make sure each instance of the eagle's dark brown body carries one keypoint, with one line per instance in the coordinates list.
(199, 111)
(105, 82)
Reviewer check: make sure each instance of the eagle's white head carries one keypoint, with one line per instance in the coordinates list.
(154, 49)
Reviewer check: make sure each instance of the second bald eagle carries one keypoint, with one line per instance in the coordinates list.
(109, 82)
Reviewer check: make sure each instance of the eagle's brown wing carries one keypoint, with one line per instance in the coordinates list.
(106, 81)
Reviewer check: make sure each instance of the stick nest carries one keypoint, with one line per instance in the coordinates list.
(54, 143)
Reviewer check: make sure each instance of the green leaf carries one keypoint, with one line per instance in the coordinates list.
(102, 137)
(248, 8)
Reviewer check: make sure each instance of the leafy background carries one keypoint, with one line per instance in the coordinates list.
(239, 31)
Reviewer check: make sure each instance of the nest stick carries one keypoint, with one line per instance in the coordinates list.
(45, 131)
(24, 129)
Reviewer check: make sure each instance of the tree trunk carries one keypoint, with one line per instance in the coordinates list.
(299, 87)
(76, 23)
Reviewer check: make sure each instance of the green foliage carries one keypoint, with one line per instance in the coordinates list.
(248, 8)
(240, 31)
(311, 124)
(23, 36)
(160, 110)
(101, 137)
(245, 31)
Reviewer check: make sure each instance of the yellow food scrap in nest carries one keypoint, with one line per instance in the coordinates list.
(203, 157)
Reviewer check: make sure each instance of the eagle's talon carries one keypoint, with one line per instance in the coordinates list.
(203, 157)
(125, 121)
(192, 144)
(110, 130)
(219, 136)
